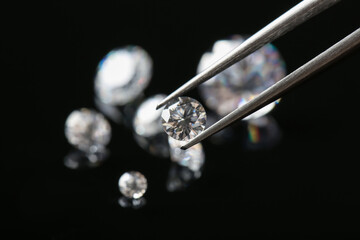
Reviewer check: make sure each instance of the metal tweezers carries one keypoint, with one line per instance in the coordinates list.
(286, 22)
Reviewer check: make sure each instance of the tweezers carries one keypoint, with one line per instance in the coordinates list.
(286, 22)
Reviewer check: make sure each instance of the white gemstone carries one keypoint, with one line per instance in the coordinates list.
(242, 81)
(183, 118)
(193, 157)
(148, 131)
(133, 184)
(122, 75)
(87, 130)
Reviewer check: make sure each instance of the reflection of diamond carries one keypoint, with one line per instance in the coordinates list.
(180, 177)
(122, 75)
(131, 202)
(242, 81)
(87, 129)
(79, 160)
(262, 133)
(132, 184)
(193, 158)
(148, 131)
(183, 118)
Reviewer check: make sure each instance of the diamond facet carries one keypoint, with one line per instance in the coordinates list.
(242, 81)
(122, 75)
(183, 118)
(87, 130)
(133, 184)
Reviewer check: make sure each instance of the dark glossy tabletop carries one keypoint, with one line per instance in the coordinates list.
(304, 184)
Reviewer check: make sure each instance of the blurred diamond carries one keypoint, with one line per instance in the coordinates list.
(147, 120)
(148, 131)
(183, 118)
(193, 157)
(242, 81)
(122, 75)
(133, 184)
(87, 130)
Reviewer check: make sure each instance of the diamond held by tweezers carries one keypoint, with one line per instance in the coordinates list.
(183, 118)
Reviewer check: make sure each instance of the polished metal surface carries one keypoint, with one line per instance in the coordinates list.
(286, 22)
(277, 90)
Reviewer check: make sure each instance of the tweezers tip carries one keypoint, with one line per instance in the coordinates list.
(163, 102)
(183, 147)
(159, 106)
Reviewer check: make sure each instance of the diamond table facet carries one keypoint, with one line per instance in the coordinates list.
(183, 118)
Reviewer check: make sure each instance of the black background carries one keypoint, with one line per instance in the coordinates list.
(308, 185)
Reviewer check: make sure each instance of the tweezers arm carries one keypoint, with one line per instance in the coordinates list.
(277, 90)
(289, 20)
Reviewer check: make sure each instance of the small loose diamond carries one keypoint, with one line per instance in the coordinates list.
(87, 130)
(133, 184)
(122, 75)
(183, 118)
(242, 81)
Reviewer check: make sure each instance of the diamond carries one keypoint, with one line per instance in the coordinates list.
(148, 131)
(122, 75)
(183, 118)
(242, 81)
(87, 130)
(133, 184)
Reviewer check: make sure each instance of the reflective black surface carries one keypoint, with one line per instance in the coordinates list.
(306, 185)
